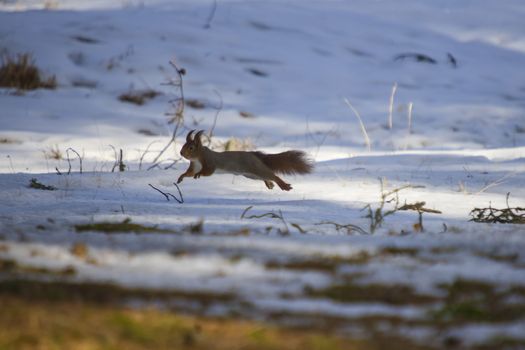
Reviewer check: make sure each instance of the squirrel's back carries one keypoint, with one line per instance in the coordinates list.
(289, 162)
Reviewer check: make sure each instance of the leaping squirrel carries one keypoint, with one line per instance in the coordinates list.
(253, 165)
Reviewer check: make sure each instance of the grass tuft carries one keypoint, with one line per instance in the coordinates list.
(20, 72)
(138, 97)
(195, 104)
(120, 227)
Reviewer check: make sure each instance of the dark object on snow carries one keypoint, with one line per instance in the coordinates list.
(139, 97)
(37, 185)
(418, 57)
(452, 60)
(20, 72)
(502, 216)
(257, 72)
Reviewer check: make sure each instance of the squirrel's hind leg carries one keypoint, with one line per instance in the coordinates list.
(269, 184)
(283, 185)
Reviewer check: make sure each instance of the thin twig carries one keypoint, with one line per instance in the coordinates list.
(271, 215)
(115, 155)
(69, 161)
(363, 129)
(211, 15)
(168, 195)
(172, 164)
(298, 227)
(178, 115)
(218, 110)
(348, 227)
(144, 154)
(497, 182)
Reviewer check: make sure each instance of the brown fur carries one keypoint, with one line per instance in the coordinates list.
(253, 165)
(289, 162)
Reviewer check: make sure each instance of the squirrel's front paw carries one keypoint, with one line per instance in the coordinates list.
(196, 176)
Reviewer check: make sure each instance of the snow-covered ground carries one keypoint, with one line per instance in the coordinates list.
(281, 71)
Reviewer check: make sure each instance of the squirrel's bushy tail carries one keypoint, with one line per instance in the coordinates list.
(289, 162)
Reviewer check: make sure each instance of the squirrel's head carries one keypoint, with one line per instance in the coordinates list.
(193, 146)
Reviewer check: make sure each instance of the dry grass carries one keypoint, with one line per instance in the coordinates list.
(235, 144)
(9, 141)
(20, 72)
(119, 227)
(39, 324)
(39, 186)
(195, 104)
(54, 153)
(138, 97)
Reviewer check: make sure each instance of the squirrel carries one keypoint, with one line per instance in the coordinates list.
(253, 165)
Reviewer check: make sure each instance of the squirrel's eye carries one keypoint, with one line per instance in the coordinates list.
(191, 148)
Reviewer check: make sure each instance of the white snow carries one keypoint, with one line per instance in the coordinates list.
(290, 64)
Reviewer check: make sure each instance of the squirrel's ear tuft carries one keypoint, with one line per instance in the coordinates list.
(197, 137)
(188, 137)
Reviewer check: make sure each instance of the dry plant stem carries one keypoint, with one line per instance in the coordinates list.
(168, 195)
(391, 106)
(378, 216)
(270, 215)
(146, 151)
(121, 166)
(363, 129)
(172, 140)
(420, 208)
(115, 155)
(218, 110)
(319, 144)
(348, 227)
(178, 106)
(11, 164)
(172, 164)
(118, 160)
(410, 106)
(211, 15)
(497, 182)
(502, 216)
(265, 215)
(299, 228)
(69, 160)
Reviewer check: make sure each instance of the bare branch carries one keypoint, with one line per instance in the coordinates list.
(177, 116)
(168, 195)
